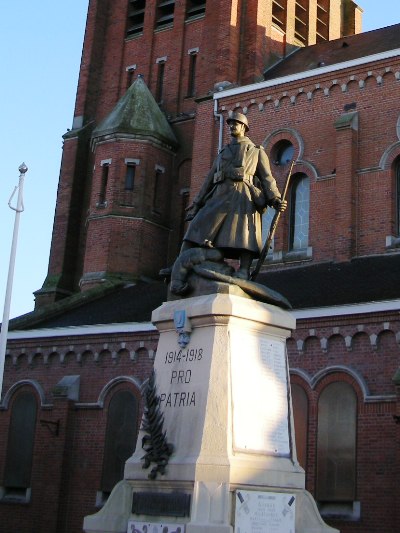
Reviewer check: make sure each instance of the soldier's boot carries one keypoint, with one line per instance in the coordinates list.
(243, 272)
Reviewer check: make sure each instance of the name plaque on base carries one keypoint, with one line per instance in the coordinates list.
(260, 394)
(259, 512)
(154, 527)
(161, 504)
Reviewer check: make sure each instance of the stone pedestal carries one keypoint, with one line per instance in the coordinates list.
(225, 398)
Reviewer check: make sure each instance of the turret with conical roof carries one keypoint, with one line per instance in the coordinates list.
(137, 115)
(128, 222)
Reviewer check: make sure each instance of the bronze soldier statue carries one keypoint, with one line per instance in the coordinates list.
(226, 214)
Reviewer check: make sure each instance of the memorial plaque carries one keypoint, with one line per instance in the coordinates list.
(161, 503)
(154, 527)
(261, 512)
(260, 394)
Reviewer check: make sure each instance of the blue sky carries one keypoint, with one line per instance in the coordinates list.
(41, 45)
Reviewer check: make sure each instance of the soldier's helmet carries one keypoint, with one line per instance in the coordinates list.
(238, 117)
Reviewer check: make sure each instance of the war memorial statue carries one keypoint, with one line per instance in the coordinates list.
(216, 450)
(221, 402)
(226, 214)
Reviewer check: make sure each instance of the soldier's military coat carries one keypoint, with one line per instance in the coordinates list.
(236, 191)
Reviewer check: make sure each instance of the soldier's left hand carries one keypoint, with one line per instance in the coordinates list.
(280, 205)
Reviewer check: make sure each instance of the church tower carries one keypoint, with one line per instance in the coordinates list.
(126, 168)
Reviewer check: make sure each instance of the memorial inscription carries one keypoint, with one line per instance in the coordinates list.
(258, 512)
(183, 365)
(260, 413)
(177, 356)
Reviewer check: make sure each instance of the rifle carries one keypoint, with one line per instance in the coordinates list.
(272, 229)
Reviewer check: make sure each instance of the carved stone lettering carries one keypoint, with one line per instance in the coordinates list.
(178, 399)
(182, 388)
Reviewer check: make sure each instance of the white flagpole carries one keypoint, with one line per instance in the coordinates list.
(7, 301)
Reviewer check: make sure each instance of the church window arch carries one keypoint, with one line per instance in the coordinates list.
(336, 445)
(20, 447)
(397, 196)
(299, 205)
(120, 438)
(283, 152)
(300, 416)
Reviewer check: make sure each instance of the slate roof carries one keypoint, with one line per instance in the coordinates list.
(133, 303)
(137, 114)
(363, 280)
(328, 53)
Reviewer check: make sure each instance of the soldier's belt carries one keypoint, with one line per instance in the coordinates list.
(234, 174)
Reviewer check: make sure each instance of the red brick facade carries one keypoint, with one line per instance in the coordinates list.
(67, 466)
(342, 120)
(233, 43)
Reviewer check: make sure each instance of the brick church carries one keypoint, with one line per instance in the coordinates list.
(158, 80)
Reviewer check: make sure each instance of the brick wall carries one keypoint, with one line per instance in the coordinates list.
(362, 351)
(67, 466)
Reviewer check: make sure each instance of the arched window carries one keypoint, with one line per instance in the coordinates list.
(336, 445)
(21, 439)
(299, 212)
(397, 177)
(300, 415)
(120, 441)
(282, 153)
